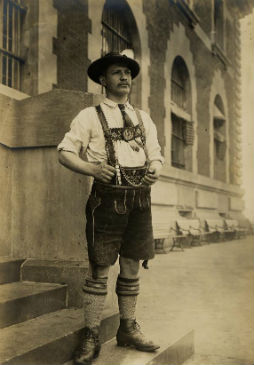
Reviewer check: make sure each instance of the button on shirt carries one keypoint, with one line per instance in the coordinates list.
(86, 134)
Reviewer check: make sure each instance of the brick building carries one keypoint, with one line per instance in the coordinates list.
(189, 52)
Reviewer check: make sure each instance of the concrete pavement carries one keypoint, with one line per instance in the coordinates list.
(209, 289)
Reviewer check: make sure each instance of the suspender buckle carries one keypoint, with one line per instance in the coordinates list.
(128, 133)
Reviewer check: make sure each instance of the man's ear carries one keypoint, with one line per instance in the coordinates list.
(102, 80)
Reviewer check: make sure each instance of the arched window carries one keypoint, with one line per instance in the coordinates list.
(219, 133)
(116, 35)
(119, 33)
(182, 125)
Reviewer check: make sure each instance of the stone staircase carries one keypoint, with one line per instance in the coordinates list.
(37, 326)
(175, 349)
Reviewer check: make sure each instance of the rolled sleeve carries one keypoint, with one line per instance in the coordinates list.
(152, 144)
(76, 138)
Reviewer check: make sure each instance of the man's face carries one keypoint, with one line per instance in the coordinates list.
(117, 80)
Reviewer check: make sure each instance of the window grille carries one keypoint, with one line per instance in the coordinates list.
(219, 129)
(115, 34)
(189, 3)
(178, 93)
(178, 84)
(219, 23)
(177, 142)
(11, 16)
(182, 130)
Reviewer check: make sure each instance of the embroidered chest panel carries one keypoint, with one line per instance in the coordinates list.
(126, 134)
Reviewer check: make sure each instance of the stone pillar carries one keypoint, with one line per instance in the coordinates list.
(95, 9)
(237, 128)
(47, 30)
(71, 44)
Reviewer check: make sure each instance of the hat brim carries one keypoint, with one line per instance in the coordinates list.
(96, 69)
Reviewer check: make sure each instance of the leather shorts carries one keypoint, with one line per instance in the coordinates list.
(119, 222)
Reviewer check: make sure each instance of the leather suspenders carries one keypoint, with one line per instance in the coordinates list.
(108, 135)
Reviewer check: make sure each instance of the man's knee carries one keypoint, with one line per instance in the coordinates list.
(96, 280)
(97, 271)
(129, 268)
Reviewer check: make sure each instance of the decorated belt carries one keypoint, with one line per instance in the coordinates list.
(130, 176)
(126, 134)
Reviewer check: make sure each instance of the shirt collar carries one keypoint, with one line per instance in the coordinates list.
(113, 104)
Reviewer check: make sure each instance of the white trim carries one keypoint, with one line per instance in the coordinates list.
(95, 10)
(179, 45)
(12, 93)
(218, 88)
(187, 178)
(180, 112)
(203, 36)
(137, 11)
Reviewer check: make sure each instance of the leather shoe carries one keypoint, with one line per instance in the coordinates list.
(129, 334)
(89, 348)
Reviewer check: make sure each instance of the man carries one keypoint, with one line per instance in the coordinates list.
(123, 156)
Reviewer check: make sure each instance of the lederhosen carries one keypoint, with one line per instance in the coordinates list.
(119, 214)
(127, 176)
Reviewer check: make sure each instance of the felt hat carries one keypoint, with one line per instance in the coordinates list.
(97, 67)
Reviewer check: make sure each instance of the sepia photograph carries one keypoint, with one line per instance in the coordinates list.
(126, 182)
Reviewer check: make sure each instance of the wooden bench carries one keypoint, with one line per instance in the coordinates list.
(233, 229)
(186, 230)
(161, 232)
(215, 229)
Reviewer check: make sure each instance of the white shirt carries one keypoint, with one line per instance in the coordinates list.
(86, 135)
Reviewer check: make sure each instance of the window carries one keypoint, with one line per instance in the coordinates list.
(11, 16)
(115, 30)
(218, 23)
(219, 128)
(219, 132)
(186, 7)
(120, 33)
(182, 126)
(177, 144)
(178, 88)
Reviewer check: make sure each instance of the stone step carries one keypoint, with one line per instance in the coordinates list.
(48, 339)
(20, 301)
(175, 349)
(71, 273)
(10, 269)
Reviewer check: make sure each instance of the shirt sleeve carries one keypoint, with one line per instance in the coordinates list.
(78, 136)
(152, 144)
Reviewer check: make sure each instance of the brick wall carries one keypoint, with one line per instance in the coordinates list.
(71, 44)
(160, 20)
(71, 50)
(204, 10)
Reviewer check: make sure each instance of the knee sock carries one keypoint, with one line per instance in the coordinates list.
(95, 291)
(127, 291)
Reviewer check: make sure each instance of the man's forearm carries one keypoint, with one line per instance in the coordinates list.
(101, 171)
(75, 163)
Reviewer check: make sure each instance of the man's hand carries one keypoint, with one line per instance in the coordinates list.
(100, 171)
(103, 172)
(153, 173)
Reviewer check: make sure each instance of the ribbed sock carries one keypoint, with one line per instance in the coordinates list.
(127, 291)
(93, 307)
(95, 291)
(127, 306)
